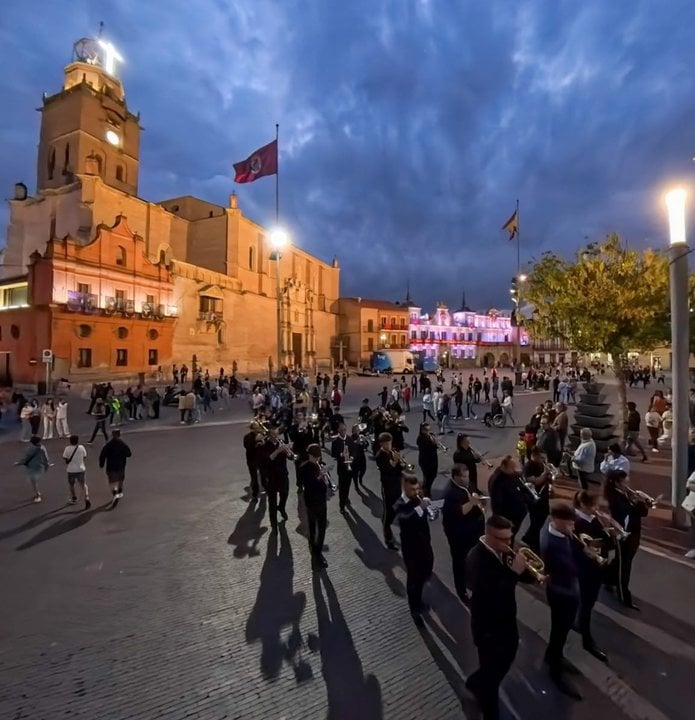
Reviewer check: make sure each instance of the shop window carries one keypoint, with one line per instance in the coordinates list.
(84, 357)
(121, 357)
(153, 334)
(84, 331)
(122, 333)
(14, 331)
(153, 357)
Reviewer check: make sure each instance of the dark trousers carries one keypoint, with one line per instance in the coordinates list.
(388, 514)
(316, 517)
(357, 474)
(418, 572)
(588, 595)
(584, 479)
(425, 413)
(296, 474)
(563, 611)
(99, 426)
(278, 490)
(653, 436)
(344, 482)
(253, 474)
(496, 654)
(537, 519)
(621, 567)
(459, 552)
(429, 475)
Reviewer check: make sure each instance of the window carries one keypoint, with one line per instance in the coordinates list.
(122, 333)
(120, 173)
(14, 297)
(84, 330)
(252, 258)
(51, 163)
(150, 299)
(370, 325)
(66, 163)
(120, 295)
(153, 357)
(83, 288)
(220, 337)
(152, 334)
(370, 344)
(84, 357)
(413, 334)
(383, 322)
(120, 255)
(14, 331)
(402, 322)
(443, 336)
(208, 304)
(393, 340)
(121, 357)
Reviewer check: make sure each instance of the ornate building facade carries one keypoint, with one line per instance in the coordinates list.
(197, 274)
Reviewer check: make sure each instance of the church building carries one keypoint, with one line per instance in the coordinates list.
(102, 284)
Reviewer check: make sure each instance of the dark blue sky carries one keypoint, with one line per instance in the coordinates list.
(408, 127)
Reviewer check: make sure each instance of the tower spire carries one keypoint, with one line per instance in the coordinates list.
(408, 299)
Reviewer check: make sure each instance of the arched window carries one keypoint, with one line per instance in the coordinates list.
(120, 173)
(252, 258)
(100, 165)
(66, 163)
(51, 163)
(121, 256)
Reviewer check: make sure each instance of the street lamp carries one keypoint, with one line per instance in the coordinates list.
(383, 337)
(680, 343)
(279, 240)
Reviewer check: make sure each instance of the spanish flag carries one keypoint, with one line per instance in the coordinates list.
(512, 225)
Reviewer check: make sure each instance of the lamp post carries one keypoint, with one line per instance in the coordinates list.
(278, 241)
(680, 344)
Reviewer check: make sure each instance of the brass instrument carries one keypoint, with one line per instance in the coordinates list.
(432, 510)
(397, 458)
(552, 471)
(638, 496)
(440, 445)
(587, 543)
(286, 449)
(347, 458)
(480, 457)
(534, 564)
(612, 527)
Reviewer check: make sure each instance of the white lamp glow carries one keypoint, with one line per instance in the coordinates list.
(675, 203)
(522, 278)
(111, 57)
(279, 239)
(112, 137)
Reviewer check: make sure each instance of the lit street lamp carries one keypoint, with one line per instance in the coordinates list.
(279, 240)
(680, 342)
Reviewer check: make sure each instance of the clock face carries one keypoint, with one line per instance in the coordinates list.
(113, 137)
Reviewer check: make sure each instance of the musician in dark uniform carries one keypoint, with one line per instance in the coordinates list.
(396, 427)
(492, 577)
(301, 435)
(340, 452)
(627, 509)
(537, 473)
(463, 519)
(251, 450)
(315, 499)
(263, 450)
(591, 574)
(411, 514)
(357, 444)
(508, 496)
(428, 457)
(365, 413)
(378, 426)
(278, 477)
(465, 455)
(560, 553)
(390, 470)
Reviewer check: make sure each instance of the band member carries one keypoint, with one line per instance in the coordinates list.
(278, 477)
(560, 553)
(628, 509)
(428, 458)
(396, 427)
(390, 468)
(341, 453)
(465, 455)
(365, 412)
(301, 435)
(591, 573)
(378, 427)
(508, 495)
(251, 449)
(357, 444)
(416, 546)
(463, 519)
(492, 577)
(536, 472)
(315, 499)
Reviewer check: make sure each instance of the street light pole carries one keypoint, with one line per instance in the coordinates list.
(680, 350)
(278, 241)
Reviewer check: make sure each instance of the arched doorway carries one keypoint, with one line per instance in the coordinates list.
(489, 360)
(504, 359)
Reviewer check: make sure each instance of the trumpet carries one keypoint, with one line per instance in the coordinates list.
(534, 564)
(638, 496)
(432, 510)
(587, 544)
(611, 527)
(397, 458)
(286, 449)
(347, 458)
(440, 445)
(552, 471)
(480, 457)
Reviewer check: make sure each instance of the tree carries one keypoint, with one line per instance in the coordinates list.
(610, 299)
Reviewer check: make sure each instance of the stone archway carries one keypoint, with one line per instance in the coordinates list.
(504, 359)
(488, 360)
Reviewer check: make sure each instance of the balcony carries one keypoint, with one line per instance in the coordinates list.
(210, 317)
(82, 302)
(119, 305)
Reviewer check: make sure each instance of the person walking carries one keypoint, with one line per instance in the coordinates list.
(36, 462)
(632, 426)
(100, 414)
(62, 419)
(48, 415)
(74, 456)
(113, 457)
(24, 417)
(315, 492)
(507, 407)
(427, 406)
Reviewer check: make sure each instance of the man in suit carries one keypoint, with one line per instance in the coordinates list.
(463, 519)
(341, 453)
(315, 490)
(492, 579)
(390, 469)
(411, 514)
(509, 497)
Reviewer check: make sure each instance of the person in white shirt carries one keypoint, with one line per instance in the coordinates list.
(667, 427)
(74, 456)
(615, 460)
(689, 502)
(652, 420)
(62, 419)
(507, 407)
(584, 458)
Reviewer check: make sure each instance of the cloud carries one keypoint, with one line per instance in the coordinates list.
(408, 129)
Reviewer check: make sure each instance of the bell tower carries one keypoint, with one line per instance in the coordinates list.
(86, 128)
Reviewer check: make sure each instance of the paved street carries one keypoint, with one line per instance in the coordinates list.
(181, 604)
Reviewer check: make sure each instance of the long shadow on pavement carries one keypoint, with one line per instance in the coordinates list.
(372, 501)
(277, 606)
(350, 693)
(373, 553)
(75, 520)
(37, 520)
(248, 531)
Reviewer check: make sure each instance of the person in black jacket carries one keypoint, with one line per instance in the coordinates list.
(627, 509)
(428, 458)
(390, 470)
(278, 477)
(114, 455)
(301, 435)
(463, 520)
(508, 495)
(537, 473)
(411, 513)
(492, 579)
(357, 444)
(340, 452)
(315, 499)
(465, 455)
(251, 450)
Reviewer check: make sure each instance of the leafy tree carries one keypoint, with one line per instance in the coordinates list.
(609, 299)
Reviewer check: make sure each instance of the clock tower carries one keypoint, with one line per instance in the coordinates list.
(86, 128)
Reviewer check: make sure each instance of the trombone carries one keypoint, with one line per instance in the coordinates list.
(440, 445)
(587, 544)
(397, 458)
(480, 457)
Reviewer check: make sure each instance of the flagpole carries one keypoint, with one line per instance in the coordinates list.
(519, 285)
(518, 240)
(277, 176)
